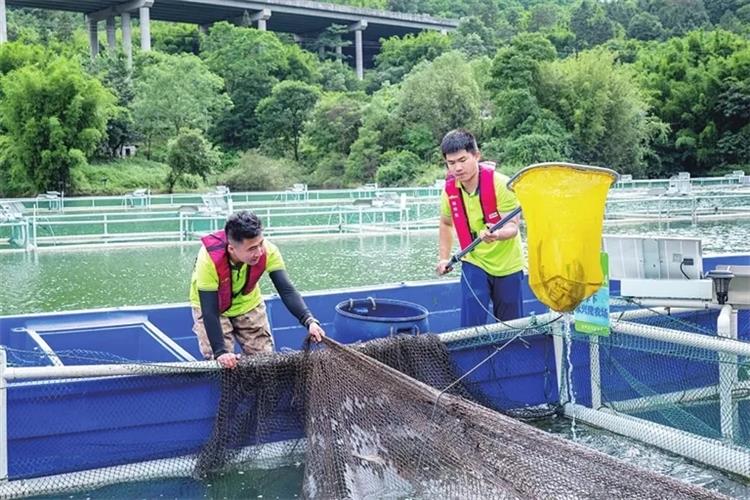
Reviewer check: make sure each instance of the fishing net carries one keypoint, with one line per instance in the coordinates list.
(384, 419)
(656, 367)
(379, 431)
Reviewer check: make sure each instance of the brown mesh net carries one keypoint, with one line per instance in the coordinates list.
(376, 425)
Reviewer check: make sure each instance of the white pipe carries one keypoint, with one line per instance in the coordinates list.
(265, 457)
(715, 453)
(492, 328)
(3, 418)
(724, 323)
(681, 303)
(83, 371)
(557, 345)
(718, 344)
(596, 378)
(3, 26)
(728, 373)
(687, 396)
(647, 313)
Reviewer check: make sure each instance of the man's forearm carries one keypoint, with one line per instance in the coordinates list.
(211, 322)
(291, 297)
(445, 240)
(510, 229)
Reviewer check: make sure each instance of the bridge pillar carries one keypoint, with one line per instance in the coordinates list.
(93, 29)
(144, 14)
(127, 38)
(3, 23)
(111, 43)
(261, 17)
(358, 28)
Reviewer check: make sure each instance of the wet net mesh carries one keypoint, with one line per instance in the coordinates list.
(699, 390)
(384, 419)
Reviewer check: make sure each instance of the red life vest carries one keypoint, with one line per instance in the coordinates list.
(486, 198)
(216, 246)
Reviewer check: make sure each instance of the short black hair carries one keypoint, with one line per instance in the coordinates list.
(458, 139)
(243, 225)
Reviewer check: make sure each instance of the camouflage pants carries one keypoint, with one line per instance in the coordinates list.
(251, 330)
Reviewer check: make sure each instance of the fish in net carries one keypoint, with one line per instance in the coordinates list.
(373, 422)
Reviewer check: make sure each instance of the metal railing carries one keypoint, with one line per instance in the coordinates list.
(183, 217)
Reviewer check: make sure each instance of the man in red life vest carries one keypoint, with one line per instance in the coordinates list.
(475, 198)
(225, 295)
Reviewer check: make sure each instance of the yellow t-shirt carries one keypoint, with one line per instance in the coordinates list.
(499, 258)
(206, 279)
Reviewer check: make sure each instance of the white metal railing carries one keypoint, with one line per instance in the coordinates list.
(720, 454)
(184, 224)
(146, 200)
(3, 417)
(291, 212)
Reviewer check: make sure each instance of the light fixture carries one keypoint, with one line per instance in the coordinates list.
(721, 279)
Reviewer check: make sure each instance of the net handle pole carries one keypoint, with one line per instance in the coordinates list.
(461, 254)
(3, 418)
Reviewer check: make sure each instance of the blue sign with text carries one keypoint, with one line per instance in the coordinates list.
(592, 315)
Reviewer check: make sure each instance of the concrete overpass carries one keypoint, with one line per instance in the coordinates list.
(303, 18)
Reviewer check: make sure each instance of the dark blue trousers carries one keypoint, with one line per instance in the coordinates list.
(479, 288)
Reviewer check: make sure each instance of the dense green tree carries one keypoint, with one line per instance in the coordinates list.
(381, 130)
(543, 17)
(474, 38)
(251, 63)
(436, 97)
(645, 26)
(337, 76)
(678, 16)
(698, 85)
(331, 42)
(518, 64)
(470, 45)
(42, 25)
(113, 71)
(621, 11)
(532, 102)
(283, 114)
(398, 56)
(190, 153)
(14, 55)
(591, 25)
(175, 38)
(716, 9)
(364, 157)
(256, 172)
(603, 109)
(329, 134)
(174, 92)
(53, 117)
(301, 65)
(523, 132)
(399, 169)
